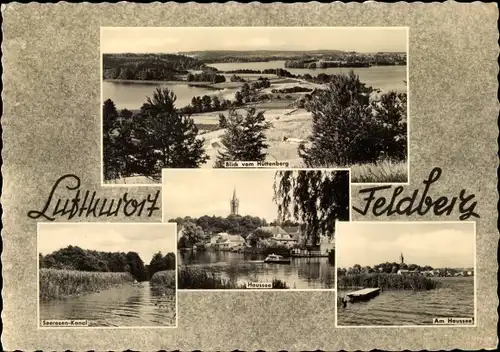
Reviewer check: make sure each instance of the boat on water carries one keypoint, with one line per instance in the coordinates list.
(362, 295)
(276, 259)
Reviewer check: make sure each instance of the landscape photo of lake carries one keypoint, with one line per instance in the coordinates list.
(315, 97)
(256, 228)
(405, 274)
(107, 275)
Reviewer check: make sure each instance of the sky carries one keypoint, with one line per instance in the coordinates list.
(208, 192)
(146, 239)
(176, 39)
(436, 244)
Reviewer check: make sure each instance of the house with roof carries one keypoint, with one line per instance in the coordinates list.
(280, 236)
(407, 272)
(224, 240)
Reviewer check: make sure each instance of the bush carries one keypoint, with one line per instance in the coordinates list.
(164, 278)
(349, 129)
(278, 284)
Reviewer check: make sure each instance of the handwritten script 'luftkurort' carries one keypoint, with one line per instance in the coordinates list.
(420, 205)
(84, 203)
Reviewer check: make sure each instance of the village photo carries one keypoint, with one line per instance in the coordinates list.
(405, 273)
(107, 275)
(256, 228)
(290, 97)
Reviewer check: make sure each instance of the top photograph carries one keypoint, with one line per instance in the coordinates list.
(254, 97)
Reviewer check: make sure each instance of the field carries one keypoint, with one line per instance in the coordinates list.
(387, 282)
(297, 123)
(55, 283)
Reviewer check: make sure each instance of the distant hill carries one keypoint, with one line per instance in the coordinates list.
(203, 54)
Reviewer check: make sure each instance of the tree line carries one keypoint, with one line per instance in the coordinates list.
(388, 268)
(76, 258)
(393, 268)
(143, 74)
(197, 230)
(205, 77)
(148, 66)
(206, 103)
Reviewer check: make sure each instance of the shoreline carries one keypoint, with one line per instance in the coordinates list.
(208, 85)
(86, 293)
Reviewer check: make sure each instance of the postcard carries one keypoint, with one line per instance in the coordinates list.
(249, 177)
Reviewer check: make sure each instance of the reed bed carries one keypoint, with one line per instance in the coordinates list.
(387, 282)
(201, 278)
(164, 279)
(56, 283)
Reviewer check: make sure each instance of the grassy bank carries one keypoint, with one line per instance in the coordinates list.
(387, 282)
(55, 283)
(385, 171)
(200, 278)
(164, 278)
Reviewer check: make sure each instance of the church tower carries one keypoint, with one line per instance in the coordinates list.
(402, 258)
(234, 203)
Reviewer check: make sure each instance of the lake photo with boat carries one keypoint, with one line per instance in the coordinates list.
(399, 292)
(111, 275)
(295, 97)
(237, 228)
(454, 297)
(240, 268)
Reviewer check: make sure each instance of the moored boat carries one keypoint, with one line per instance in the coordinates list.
(276, 259)
(362, 295)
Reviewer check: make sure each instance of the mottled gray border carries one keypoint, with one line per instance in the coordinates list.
(51, 127)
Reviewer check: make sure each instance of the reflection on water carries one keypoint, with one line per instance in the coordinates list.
(454, 300)
(301, 273)
(122, 306)
(381, 77)
(131, 96)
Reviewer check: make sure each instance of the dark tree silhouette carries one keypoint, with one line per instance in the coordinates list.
(348, 129)
(161, 263)
(244, 139)
(168, 138)
(316, 198)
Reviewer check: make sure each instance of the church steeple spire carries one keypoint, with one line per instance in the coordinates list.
(402, 258)
(234, 203)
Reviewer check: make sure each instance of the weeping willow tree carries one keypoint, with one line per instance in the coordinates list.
(315, 198)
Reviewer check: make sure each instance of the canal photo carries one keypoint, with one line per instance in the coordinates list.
(107, 275)
(305, 97)
(256, 228)
(406, 274)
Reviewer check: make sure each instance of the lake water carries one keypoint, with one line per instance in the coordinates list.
(383, 77)
(454, 300)
(121, 306)
(131, 95)
(302, 273)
